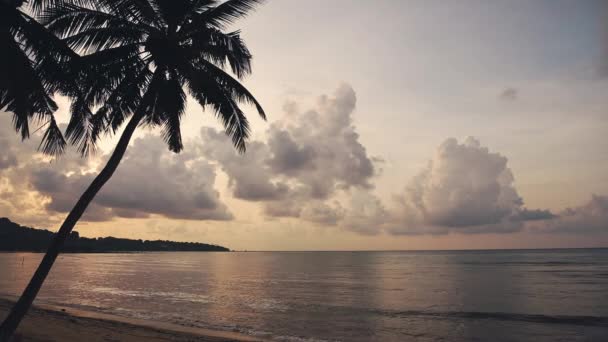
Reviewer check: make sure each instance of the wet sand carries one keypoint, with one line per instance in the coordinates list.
(51, 323)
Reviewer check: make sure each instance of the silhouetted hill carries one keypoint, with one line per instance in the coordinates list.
(16, 238)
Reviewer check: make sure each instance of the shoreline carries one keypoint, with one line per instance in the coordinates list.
(329, 251)
(45, 322)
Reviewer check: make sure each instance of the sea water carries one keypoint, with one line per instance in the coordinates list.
(515, 295)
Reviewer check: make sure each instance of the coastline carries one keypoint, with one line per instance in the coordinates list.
(55, 323)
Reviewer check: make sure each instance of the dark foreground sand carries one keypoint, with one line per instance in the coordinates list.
(49, 323)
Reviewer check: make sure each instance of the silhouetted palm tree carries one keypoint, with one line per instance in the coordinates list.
(139, 58)
(33, 66)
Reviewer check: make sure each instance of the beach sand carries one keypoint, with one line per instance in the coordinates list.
(51, 323)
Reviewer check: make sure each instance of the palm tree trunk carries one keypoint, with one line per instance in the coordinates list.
(11, 323)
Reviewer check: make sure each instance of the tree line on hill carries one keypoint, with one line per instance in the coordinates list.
(17, 238)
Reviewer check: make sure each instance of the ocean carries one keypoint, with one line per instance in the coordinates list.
(513, 295)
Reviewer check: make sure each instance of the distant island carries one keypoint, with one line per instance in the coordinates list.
(17, 238)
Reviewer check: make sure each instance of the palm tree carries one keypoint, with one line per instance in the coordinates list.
(33, 65)
(139, 57)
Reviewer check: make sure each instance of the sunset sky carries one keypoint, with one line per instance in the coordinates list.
(392, 124)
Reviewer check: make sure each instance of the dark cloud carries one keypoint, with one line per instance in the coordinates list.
(289, 157)
(592, 217)
(533, 215)
(509, 94)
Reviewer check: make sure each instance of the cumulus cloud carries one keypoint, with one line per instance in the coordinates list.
(322, 213)
(365, 214)
(312, 167)
(7, 160)
(17, 200)
(321, 147)
(249, 178)
(313, 157)
(8, 157)
(533, 215)
(308, 158)
(150, 180)
(464, 188)
(11, 145)
(591, 217)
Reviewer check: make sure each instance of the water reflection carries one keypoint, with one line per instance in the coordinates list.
(383, 296)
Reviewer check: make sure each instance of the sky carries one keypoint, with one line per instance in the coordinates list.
(392, 125)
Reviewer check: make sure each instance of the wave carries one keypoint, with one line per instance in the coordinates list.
(596, 321)
(533, 263)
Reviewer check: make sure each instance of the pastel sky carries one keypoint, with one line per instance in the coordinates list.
(393, 124)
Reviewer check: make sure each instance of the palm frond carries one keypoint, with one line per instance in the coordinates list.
(52, 58)
(126, 98)
(136, 56)
(173, 12)
(97, 39)
(38, 6)
(21, 89)
(164, 104)
(210, 93)
(86, 23)
(142, 12)
(226, 13)
(100, 73)
(172, 103)
(219, 47)
(79, 130)
(52, 142)
(233, 87)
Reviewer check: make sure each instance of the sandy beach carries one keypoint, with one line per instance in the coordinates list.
(49, 323)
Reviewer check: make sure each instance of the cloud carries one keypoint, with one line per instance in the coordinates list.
(312, 167)
(464, 188)
(249, 178)
(322, 213)
(366, 214)
(289, 157)
(533, 215)
(308, 158)
(313, 158)
(321, 147)
(149, 181)
(591, 217)
(509, 94)
(17, 199)
(319, 150)
(7, 160)
(11, 145)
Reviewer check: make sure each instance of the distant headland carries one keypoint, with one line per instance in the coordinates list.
(17, 238)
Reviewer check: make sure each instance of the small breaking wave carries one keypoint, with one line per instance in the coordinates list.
(596, 321)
